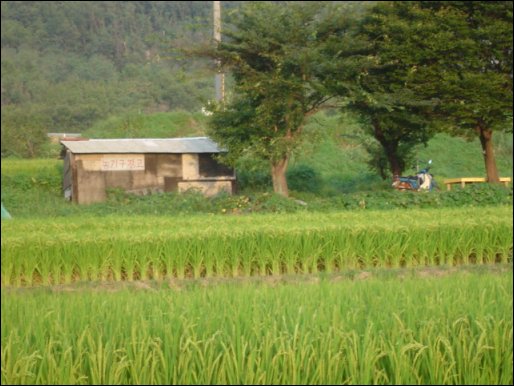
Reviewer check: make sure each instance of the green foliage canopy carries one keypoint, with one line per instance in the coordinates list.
(273, 53)
(375, 73)
(472, 70)
(270, 50)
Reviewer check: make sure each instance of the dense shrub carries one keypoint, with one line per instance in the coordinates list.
(474, 195)
(253, 174)
(304, 178)
(23, 132)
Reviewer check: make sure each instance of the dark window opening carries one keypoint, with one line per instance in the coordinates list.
(209, 167)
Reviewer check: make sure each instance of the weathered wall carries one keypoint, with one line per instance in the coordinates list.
(90, 186)
(145, 173)
(67, 176)
(208, 188)
(190, 167)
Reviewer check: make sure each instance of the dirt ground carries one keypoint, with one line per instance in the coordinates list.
(175, 284)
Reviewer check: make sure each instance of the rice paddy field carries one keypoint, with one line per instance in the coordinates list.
(130, 248)
(375, 297)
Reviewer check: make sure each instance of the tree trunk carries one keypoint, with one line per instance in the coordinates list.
(278, 175)
(390, 149)
(486, 140)
(394, 162)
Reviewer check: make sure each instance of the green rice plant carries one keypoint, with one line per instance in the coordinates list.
(9, 274)
(68, 271)
(274, 254)
(144, 247)
(292, 253)
(247, 250)
(169, 265)
(231, 257)
(395, 252)
(195, 257)
(28, 270)
(158, 265)
(445, 245)
(310, 251)
(328, 257)
(455, 329)
(130, 260)
(503, 238)
(18, 368)
(367, 245)
(264, 255)
(174, 261)
(145, 263)
(342, 252)
(209, 254)
(117, 263)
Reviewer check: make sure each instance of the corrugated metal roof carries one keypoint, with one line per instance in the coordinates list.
(144, 145)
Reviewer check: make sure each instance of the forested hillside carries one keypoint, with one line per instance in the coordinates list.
(68, 64)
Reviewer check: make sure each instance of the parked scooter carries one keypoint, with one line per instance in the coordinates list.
(423, 180)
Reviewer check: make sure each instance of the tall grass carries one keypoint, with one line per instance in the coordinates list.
(123, 248)
(455, 329)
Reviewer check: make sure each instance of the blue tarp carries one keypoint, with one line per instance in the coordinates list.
(5, 213)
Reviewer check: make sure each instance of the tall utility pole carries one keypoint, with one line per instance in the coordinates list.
(219, 80)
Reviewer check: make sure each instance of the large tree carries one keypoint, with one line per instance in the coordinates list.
(375, 73)
(473, 71)
(273, 54)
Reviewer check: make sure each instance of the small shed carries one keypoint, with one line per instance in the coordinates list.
(143, 166)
